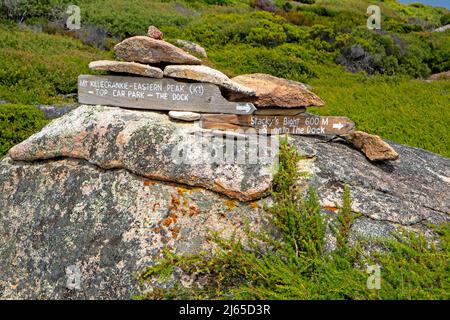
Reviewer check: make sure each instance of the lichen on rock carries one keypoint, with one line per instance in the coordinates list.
(147, 143)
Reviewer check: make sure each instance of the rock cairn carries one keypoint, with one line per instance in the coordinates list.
(153, 57)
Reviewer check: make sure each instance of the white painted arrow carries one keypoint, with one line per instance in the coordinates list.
(338, 126)
(247, 107)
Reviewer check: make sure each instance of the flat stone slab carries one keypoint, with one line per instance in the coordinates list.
(127, 67)
(148, 50)
(375, 148)
(207, 74)
(184, 116)
(276, 92)
(150, 145)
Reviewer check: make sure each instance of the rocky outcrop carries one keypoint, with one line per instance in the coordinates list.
(127, 67)
(76, 199)
(147, 144)
(192, 47)
(411, 190)
(442, 29)
(53, 112)
(144, 49)
(277, 92)
(439, 76)
(372, 146)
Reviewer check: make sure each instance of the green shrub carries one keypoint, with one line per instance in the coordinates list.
(218, 2)
(306, 1)
(279, 61)
(287, 6)
(295, 264)
(439, 60)
(392, 107)
(18, 122)
(445, 19)
(23, 10)
(266, 33)
(256, 28)
(41, 68)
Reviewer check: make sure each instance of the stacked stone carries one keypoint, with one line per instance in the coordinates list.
(151, 56)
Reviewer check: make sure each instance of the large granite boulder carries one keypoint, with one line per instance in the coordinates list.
(94, 197)
(147, 144)
(66, 214)
(148, 50)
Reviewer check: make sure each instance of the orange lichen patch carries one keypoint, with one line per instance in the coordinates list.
(332, 209)
(167, 222)
(175, 232)
(254, 205)
(174, 217)
(149, 183)
(193, 211)
(156, 204)
(182, 191)
(174, 203)
(231, 204)
(157, 230)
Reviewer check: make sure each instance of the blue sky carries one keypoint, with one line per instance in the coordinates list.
(436, 3)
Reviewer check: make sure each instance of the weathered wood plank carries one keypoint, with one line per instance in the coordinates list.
(279, 111)
(156, 94)
(303, 124)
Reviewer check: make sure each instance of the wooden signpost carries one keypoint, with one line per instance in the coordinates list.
(303, 124)
(157, 94)
(169, 94)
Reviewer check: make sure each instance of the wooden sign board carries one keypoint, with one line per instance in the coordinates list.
(156, 94)
(303, 124)
(279, 111)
